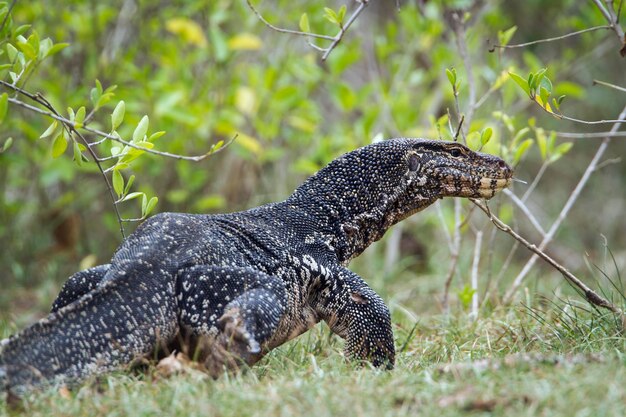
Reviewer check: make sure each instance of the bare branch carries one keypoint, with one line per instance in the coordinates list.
(290, 31)
(613, 19)
(564, 211)
(604, 83)
(454, 255)
(557, 38)
(474, 279)
(520, 204)
(590, 295)
(590, 135)
(335, 40)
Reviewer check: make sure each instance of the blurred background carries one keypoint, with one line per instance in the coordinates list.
(205, 70)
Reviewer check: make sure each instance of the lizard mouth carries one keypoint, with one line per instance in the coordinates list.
(488, 187)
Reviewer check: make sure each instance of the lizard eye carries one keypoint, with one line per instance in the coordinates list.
(413, 163)
(455, 152)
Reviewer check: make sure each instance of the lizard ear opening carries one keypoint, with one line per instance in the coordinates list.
(413, 163)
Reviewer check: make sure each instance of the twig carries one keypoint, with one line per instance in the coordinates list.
(536, 180)
(345, 27)
(335, 40)
(459, 31)
(564, 211)
(454, 255)
(474, 279)
(520, 204)
(290, 31)
(590, 135)
(613, 19)
(613, 86)
(557, 38)
(590, 295)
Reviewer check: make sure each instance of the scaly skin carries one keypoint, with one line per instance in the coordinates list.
(228, 288)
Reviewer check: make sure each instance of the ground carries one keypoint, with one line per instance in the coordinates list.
(510, 361)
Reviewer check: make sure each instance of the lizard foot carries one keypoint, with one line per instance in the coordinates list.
(234, 346)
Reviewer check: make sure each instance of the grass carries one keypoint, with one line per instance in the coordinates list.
(564, 359)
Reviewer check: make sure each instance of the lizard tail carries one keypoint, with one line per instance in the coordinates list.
(104, 330)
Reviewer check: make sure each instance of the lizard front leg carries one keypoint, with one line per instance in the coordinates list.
(230, 313)
(356, 313)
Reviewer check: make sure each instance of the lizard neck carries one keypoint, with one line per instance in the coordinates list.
(354, 211)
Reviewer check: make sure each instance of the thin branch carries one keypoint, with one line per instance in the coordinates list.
(590, 295)
(613, 19)
(69, 123)
(344, 28)
(454, 255)
(520, 204)
(590, 135)
(474, 278)
(557, 38)
(290, 31)
(335, 40)
(613, 86)
(564, 211)
(538, 177)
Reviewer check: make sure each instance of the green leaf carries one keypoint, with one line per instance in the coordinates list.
(50, 130)
(80, 117)
(21, 30)
(78, 155)
(451, 74)
(118, 182)
(129, 184)
(118, 115)
(150, 206)
(71, 114)
(342, 13)
(95, 94)
(142, 128)
(560, 99)
(521, 150)
(59, 145)
(217, 146)
(486, 135)
(7, 145)
(561, 150)
(331, 15)
(12, 52)
(4, 106)
(145, 144)
(505, 37)
(304, 23)
(537, 78)
(545, 96)
(28, 50)
(132, 196)
(155, 135)
(546, 83)
(542, 142)
(56, 48)
(521, 82)
(144, 205)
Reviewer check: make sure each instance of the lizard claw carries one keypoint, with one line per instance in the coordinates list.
(234, 346)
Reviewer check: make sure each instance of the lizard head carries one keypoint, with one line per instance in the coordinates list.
(433, 169)
(451, 169)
